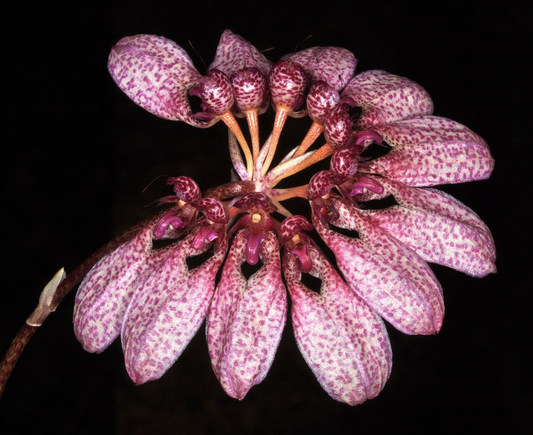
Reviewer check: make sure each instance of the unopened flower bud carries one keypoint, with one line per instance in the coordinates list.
(250, 89)
(216, 92)
(321, 99)
(338, 126)
(287, 84)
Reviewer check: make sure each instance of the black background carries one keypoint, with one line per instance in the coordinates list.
(77, 155)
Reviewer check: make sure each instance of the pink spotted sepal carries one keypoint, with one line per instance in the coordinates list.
(169, 308)
(247, 68)
(430, 150)
(438, 227)
(387, 275)
(106, 291)
(157, 74)
(384, 98)
(341, 338)
(246, 317)
(333, 65)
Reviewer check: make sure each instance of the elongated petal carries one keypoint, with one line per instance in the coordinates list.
(246, 318)
(342, 339)
(333, 65)
(157, 74)
(167, 311)
(430, 150)
(401, 258)
(384, 288)
(438, 228)
(235, 53)
(107, 289)
(385, 98)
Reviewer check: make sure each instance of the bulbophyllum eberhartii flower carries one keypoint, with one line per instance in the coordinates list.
(156, 302)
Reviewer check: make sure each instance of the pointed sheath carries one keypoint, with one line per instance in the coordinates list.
(246, 317)
(343, 341)
(168, 310)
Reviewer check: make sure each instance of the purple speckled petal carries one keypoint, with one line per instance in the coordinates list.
(235, 53)
(382, 286)
(246, 318)
(333, 65)
(342, 339)
(401, 258)
(157, 74)
(438, 228)
(167, 311)
(385, 98)
(107, 289)
(431, 150)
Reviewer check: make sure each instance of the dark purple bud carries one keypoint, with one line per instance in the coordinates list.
(344, 162)
(287, 83)
(213, 210)
(321, 99)
(321, 184)
(338, 126)
(254, 201)
(216, 92)
(185, 188)
(250, 89)
(294, 225)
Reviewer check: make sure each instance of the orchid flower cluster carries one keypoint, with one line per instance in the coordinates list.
(157, 303)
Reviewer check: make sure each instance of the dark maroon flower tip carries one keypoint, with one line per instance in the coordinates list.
(185, 188)
(294, 225)
(321, 184)
(216, 92)
(213, 210)
(287, 84)
(254, 201)
(321, 99)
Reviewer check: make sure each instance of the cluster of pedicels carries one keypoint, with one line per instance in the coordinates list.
(157, 303)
